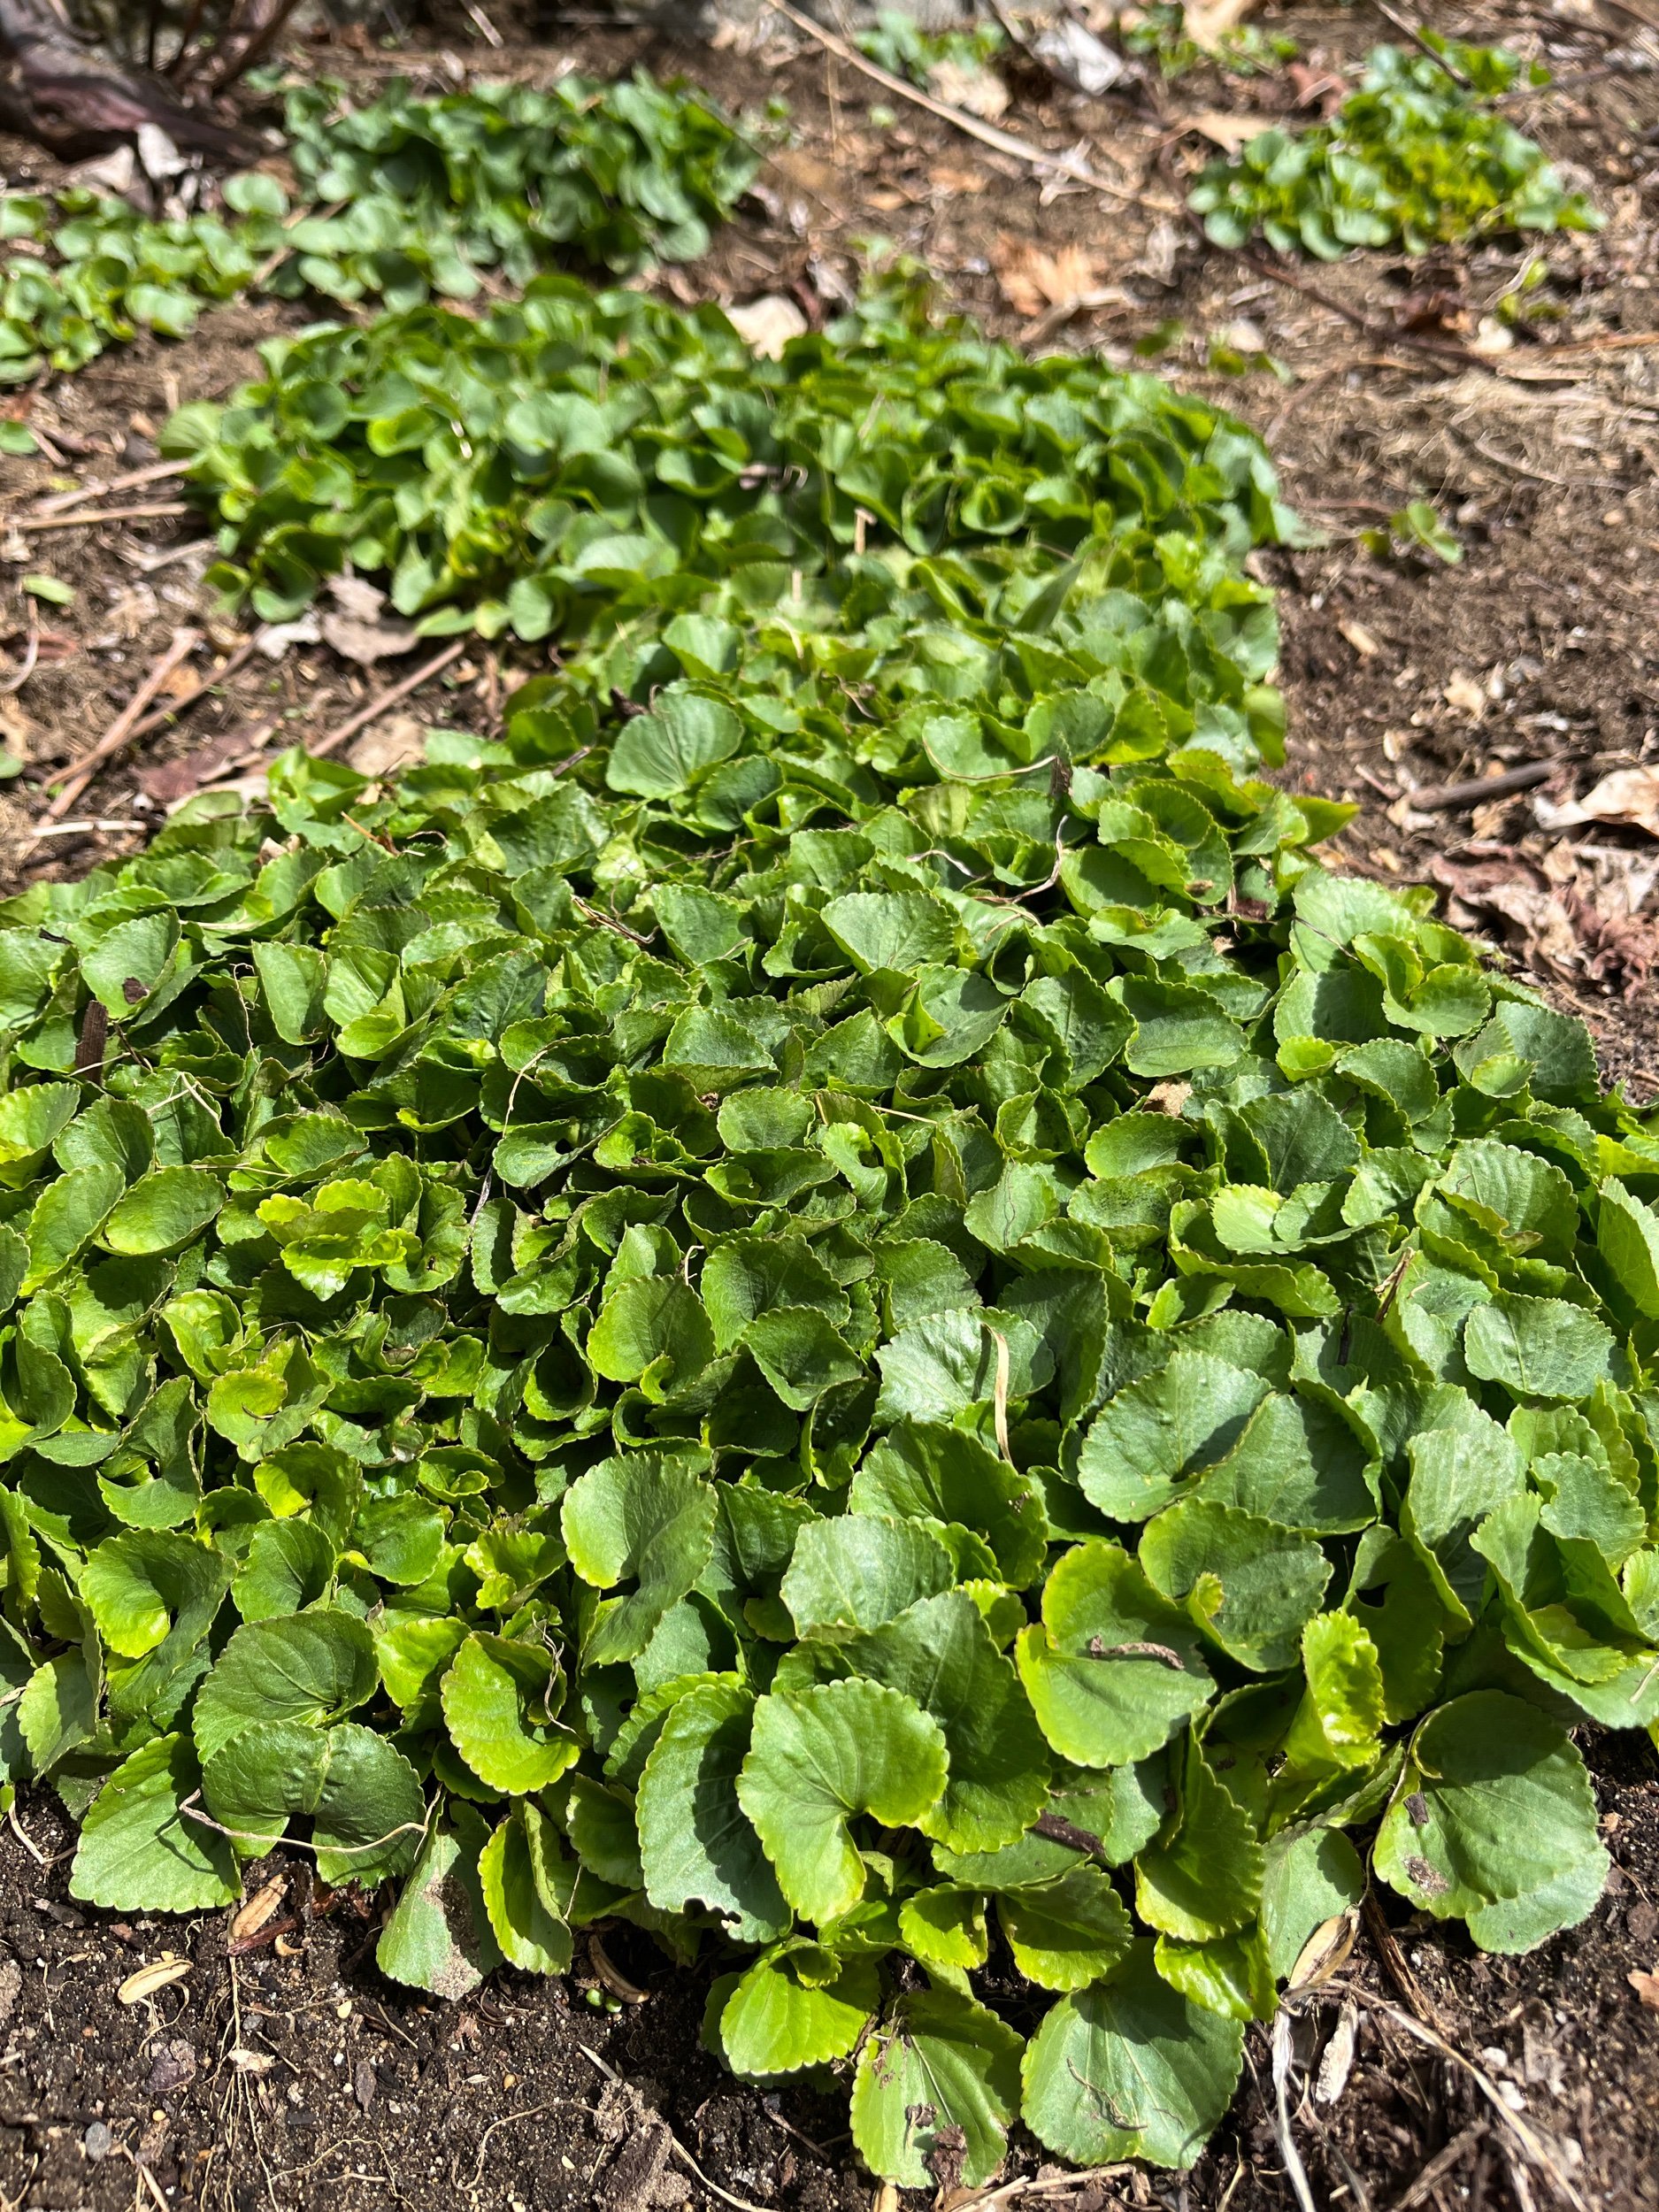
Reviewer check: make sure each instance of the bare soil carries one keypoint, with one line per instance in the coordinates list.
(292, 2076)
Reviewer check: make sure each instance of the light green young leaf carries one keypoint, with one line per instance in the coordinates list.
(1112, 1670)
(501, 1704)
(774, 2022)
(817, 1761)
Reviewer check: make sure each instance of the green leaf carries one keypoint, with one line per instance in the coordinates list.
(1311, 1877)
(439, 1936)
(144, 1585)
(139, 1851)
(643, 1519)
(818, 1759)
(516, 1870)
(940, 1652)
(1156, 1434)
(1249, 1585)
(662, 753)
(1203, 1878)
(936, 2086)
(1494, 1806)
(1112, 1670)
(314, 1668)
(857, 1570)
(1067, 1933)
(696, 1847)
(501, 1703)
(651, 1328)
(773, 2021)
(1129, 2069)
(1539, 1347)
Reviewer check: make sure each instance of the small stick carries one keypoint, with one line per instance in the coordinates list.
(154, 474)
(377, 705)
(154, 721)
(1532, 2144)
(1435, 2172)
(102, 514)
(1448, 797)
(31, 653)
(80, 829)
(184, 643)
(988, 134)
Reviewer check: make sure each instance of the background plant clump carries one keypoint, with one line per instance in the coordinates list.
(1410, 159)
(397, 201)
(833, 1300)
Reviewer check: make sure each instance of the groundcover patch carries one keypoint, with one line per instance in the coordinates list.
(832, 1300)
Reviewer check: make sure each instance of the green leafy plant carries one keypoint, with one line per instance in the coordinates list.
(112, 273)
(1411, 159)
(558, 463)
(832, 1302)
(400, 200)
(1160, 33)
(1419, 527)
(898, 43)
(436, 192)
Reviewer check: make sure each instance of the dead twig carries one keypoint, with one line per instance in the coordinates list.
(157, 472)
(377, 705)
(1296, 2172)
(1476, 790)
(188, 699)
(31, 653)
(119, 732)
(1004, 141)
(1522, 2134)
(159, 510)
(1382, 1936)
(1435, 2172)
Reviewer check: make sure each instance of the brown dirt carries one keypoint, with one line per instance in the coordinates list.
(1541, 646)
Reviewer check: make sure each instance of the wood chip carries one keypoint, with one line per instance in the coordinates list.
(1647, 1987)
(149, 1979)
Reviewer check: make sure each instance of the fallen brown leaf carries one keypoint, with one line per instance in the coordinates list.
(1039, 284)
(767, 325)
(1647, 1987)
(358, 626)
(392, 742)
(249, 1918)
(1629, 796)
(1324, 1951)
(974, 89)
(948, 176)
(1226, 130)
(1463, 692)
(149, 1979)
(1208, 21)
